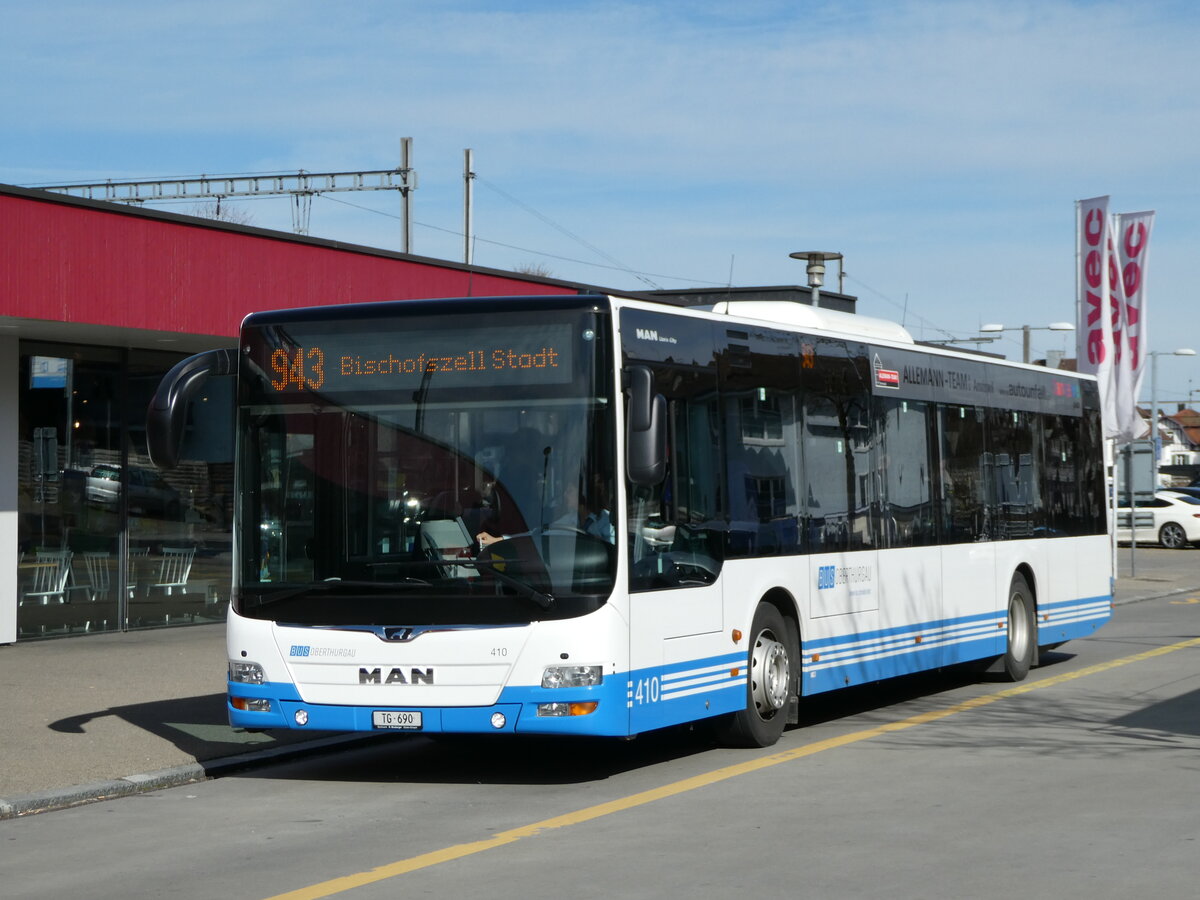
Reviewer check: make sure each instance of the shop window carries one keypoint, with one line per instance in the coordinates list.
(106, 540)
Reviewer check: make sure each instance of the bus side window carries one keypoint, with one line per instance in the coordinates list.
(903, 470)
(1089, 467)
(965, 475)
(1016, 489)
(837, 448)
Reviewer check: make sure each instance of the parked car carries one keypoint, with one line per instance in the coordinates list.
(1190, 491)
(104, 485)
(1171, 519)
(149, 494)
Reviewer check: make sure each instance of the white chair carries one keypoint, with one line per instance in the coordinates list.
(135, 569)
(99, 573)
(46, 578)
(174, 568)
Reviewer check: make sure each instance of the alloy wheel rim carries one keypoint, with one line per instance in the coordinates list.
(769, 674)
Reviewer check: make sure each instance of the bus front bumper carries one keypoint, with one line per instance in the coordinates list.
(599, 710)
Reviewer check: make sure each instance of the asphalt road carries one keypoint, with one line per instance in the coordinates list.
(1079, 782)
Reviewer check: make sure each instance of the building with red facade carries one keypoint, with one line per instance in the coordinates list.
(97, 302)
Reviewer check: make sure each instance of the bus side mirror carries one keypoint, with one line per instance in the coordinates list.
(645, 429)
(166, 417)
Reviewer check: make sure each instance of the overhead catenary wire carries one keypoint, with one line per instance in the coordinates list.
(615, 266)
(618, 267)
(559, 228)
(903, 307)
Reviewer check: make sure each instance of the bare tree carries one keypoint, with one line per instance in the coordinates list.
(222, 212)
(534, 270)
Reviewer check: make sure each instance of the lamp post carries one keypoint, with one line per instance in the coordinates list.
(1026, 329)
(1156, 441)
(815, 266)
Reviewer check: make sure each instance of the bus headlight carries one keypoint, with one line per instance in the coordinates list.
(572, 676)
(245, 672)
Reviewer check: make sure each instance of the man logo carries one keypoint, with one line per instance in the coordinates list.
(647, 334)
(396, 676)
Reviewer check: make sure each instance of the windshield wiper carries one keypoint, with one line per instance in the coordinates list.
(544, 600)
(321, 587)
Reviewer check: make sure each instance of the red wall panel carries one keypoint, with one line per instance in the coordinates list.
(76, 263)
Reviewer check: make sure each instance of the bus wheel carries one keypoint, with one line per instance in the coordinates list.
(770, 677)
(1022, 633)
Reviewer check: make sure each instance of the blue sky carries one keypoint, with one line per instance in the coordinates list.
(939, 145)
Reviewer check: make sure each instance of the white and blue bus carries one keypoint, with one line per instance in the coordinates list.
(595, 515)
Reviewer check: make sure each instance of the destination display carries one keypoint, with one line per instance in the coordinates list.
(412, 360)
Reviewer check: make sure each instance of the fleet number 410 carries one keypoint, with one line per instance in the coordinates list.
(647, 690)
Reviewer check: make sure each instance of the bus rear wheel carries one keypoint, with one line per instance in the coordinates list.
(1022, 630)
(769, 676)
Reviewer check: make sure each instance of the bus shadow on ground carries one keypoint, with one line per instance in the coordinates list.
(490, 759)
(195, 725)
(867, 698)
(1179, 715)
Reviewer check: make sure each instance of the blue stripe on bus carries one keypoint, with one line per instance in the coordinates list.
(1072, 619)
(864, 657)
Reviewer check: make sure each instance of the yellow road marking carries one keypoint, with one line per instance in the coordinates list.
(1188, 600)
(458, 851)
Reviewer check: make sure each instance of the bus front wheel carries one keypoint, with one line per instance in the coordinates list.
(1022, 630)
(769, 676)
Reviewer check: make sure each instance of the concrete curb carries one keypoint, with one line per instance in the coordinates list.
(189, 773)
(1157, 594)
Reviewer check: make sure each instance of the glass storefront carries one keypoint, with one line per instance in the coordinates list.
(106, 541)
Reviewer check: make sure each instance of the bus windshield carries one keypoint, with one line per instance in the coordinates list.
(418, 469)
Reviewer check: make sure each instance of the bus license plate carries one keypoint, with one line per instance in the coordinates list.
(405, 721)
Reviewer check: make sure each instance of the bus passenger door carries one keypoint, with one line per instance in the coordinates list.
(676, 536)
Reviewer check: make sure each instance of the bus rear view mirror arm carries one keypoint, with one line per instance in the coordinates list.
(166, 417)
(646, 429)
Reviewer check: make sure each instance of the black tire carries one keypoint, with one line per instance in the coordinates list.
(1022, 630)
(770, 680)
(1172, 536)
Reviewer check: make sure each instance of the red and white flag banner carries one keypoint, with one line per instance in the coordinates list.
(1097, 307)
(1131, 237)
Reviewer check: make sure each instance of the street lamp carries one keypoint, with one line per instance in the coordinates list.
(1156, 441)
(1026, 329)
(815, 260)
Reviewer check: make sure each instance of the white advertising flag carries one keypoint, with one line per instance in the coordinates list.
(1096, 304)
(1131, 236)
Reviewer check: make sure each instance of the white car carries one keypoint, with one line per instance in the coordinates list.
(1171, 519)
